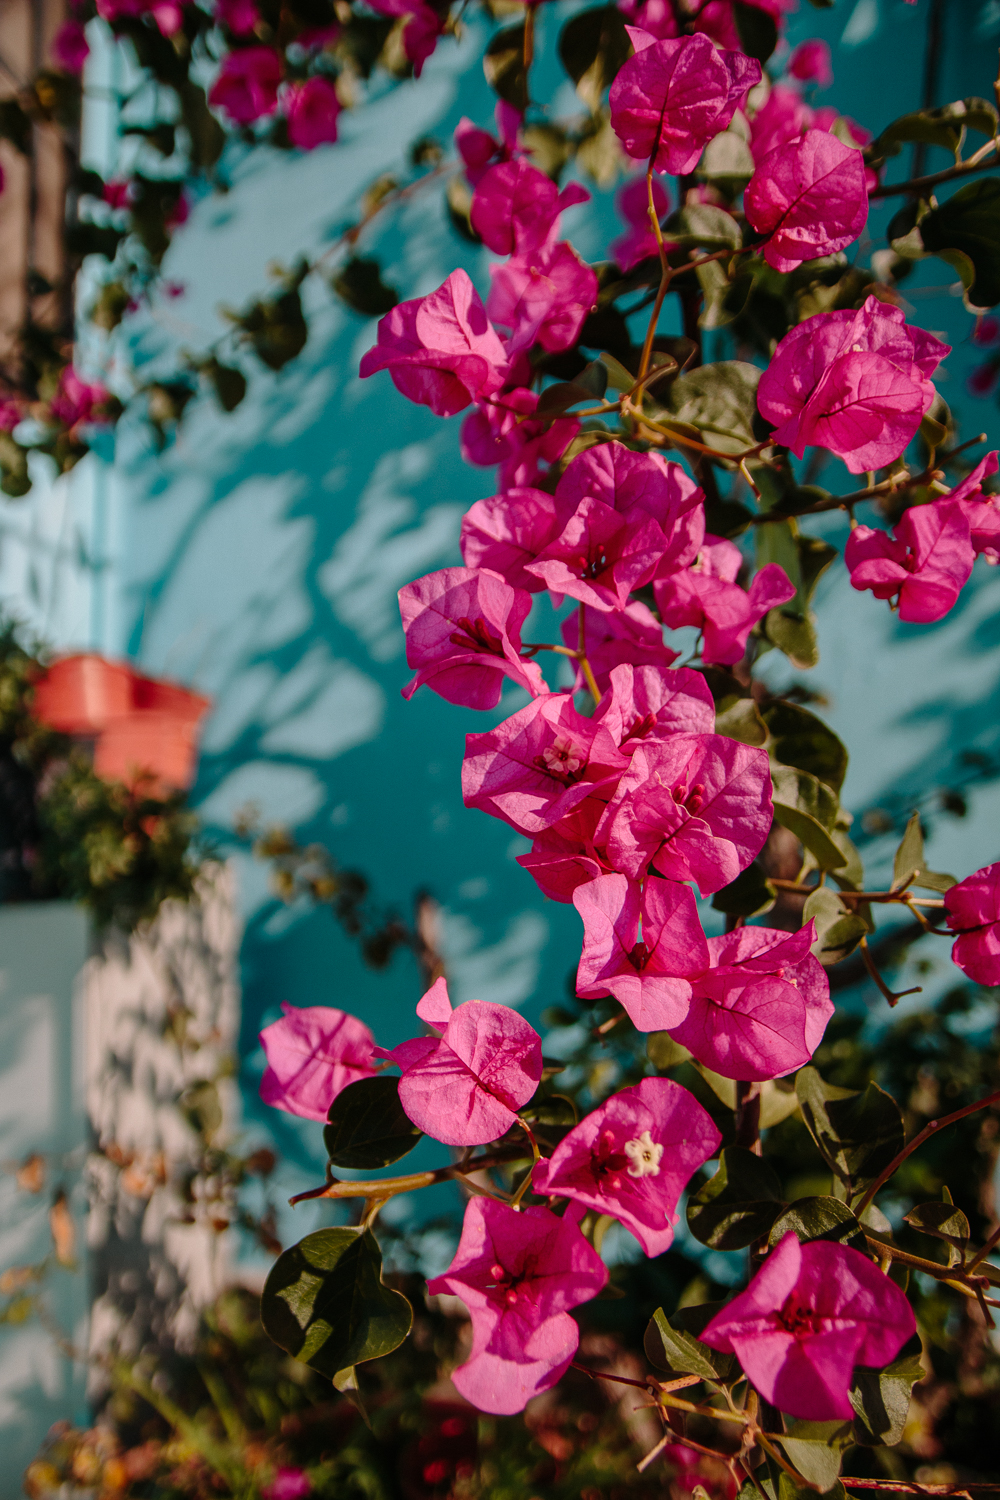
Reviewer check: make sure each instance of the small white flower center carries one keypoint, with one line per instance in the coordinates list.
(564, 757)
(644, 1156)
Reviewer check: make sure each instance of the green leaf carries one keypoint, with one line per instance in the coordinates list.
(228, 383)
(943, 1221)
(672, 1343)
(359, 283)
(750, 894)
(503, 64)
(368, 1127)
(741, 720)
(325, 1303)
(705, 227)
(817, 1449)
(757, 29)
(719, 401)
(839, 929)
(663, 1052)
(593, 45)
(858, 1134)
(801, 739)
(881, 1398)
(909, 865)
(807, 808)
(941, 126)
(969, 222)
(738, 1205)
(822, 1218)
(727, 161)
(206, 136)
(795, 635)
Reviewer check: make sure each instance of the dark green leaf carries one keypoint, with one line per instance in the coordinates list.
(719, 401)
(228, 383)
(909, 867)
(15, 480)
(801, 739)
(740, 720)
(503, 64)
(795, 635)
(821, 1218)
(816, 1449)
(673, 1344)
(15, 126)
(593, 45)
(325, 1302)
(807, 808)
(839, 928)
(738, 1205)
(941, 126)
(368, 1127)
(858, 1134)
(750, 894)
(881, 1398)
(706, 227)
(969, 222)
(359, 283)
(758, 31)
(943, 1221)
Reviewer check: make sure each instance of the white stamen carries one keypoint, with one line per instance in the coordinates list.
(563, 756)
(644, 1155)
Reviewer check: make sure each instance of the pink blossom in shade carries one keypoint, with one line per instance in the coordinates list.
(672, 97)
(463, 1087)
(645, 703)
(420, 36)
(633, 1157)
(782, 117)
(986, 332)
(812, 1313)
(982, 510)
(707, 596)
(516, 207)
(809, 198)
(502, 431)
(463, 635)
(238, 16)
(648, 976)
(611, 638)
(600, 556)
(168, 15)
(761, 1007)
(518, 1273)
(311, 109)
(540, 764)
(559, 866)
(925, 564)
(70, 49)
(11, 413)
(542, 296)
(77, 400)
(247, 86)
(117, 10)
(638, 242)
(656, 17)
(288, 1484)
(973, 912)
(313, 1053)
(696, 807)
(641, 486)
(811, 63)
(476, 147)
(440, 350)
(510, 530)
(715, 19)
(118, 192)
(857, 383)
(983, 379)
(826, 117)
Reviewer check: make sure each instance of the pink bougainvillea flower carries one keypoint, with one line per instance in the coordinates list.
(641, 486)
(518, 1273)
(479, 150)
(646, 976)
(503, 432)
(857, 383)
(560, 865)
(982, 510)
(809, 197)
(421, 34)
(247, 86)
(760, 1009)
(516, 208)
(973, 911)
(69, 48)
(638, 242)
(509, 530)
(311, 109)
(440, 350)
(707, 596)
(811, 63)
(542, 296)
(645, 703)
(672, 97)
(633, 1157)
(238, 16)
(463, 634)
(926, 563)
(697, 807)
(313, 1053)
(288, 1484)
(632, 635)
(600, 556)
(463, 1086)
(540, 764)
(77, 400)
(812, 1313)
(782, 117)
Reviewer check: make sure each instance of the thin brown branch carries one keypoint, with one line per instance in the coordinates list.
(391, 1187)
(918, 186)
(918, 1140)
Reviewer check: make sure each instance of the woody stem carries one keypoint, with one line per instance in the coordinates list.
(918, 1140)
(582, 657)
(391, 1187)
